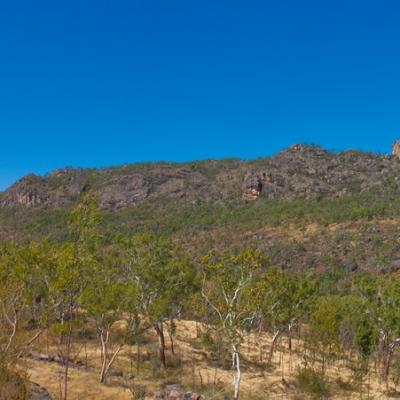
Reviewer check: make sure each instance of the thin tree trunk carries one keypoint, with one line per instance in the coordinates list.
(236, 373)
(273, 344)
(105, 364)
(14, 331)
(111, 362)
(388, 362)
(66, 360)
(291, 325)
(30, 341)
(389, 357)
(103, 341)
(171, 338)
(161, 341)
(139, 359)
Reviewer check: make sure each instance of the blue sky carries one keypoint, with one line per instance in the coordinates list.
(96, 83)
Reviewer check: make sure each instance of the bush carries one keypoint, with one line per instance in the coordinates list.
(12, 386)
(312, 382)
(139, 393)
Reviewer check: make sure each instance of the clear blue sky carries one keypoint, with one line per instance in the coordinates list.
(94, 83)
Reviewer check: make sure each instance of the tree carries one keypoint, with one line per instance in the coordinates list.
(102, 300)
(25, 293)
(324, 326)
(110, 302)
(164, 278)
(381, 296)
(22, 310)
(283, 299)
(227, 290)
(77, 261)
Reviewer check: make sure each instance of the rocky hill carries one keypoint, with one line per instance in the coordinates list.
(300, 171)
(305, 207)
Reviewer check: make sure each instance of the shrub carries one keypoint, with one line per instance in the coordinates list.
(12, 386)
(139, 393)
(312, 382)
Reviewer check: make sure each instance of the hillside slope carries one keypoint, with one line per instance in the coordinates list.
(317, 209)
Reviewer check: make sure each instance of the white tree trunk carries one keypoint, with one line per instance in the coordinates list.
(111, 362)
(103, 341)
(273, 344)
(236, 372)
(105, 364)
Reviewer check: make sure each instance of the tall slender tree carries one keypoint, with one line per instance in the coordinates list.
(227, 290)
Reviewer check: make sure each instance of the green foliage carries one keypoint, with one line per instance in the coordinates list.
(228, 287)
(169, 217)
(325, 323)
(84, 221)
(312, 382)
(366, 336)
(284, 297)
(163, 275)
(146, 281)
(139, 392)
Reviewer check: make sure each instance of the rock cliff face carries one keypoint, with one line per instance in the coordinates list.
(396, 149)
(300, 171)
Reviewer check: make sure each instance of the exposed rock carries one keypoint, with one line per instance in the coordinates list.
(396, 149)
(175, 387)
(37, 392)
(300, 171)
(55, 358)
(350, 265)
(176, 392)
(115, 372)
(251, 194)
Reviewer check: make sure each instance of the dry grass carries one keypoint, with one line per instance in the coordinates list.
(193, 366)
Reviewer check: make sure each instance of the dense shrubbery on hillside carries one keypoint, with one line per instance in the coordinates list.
(167, 217)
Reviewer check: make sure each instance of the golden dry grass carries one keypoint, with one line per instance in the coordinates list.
(196, 369)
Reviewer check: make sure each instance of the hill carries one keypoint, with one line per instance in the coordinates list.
(324, 229)
(316, 208)
(300, 171)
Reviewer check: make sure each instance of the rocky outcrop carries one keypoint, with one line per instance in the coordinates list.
(36, 392)
(396, 149)
(299, 171)
(176, 392)
(30, 191)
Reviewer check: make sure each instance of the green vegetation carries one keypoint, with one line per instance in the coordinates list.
(147, 282)
(166, 217)
(312, 382)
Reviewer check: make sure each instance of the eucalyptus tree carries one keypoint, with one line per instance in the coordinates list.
(23, 309)
(381, 298)
(76, 262)
(324, 327)
(114, 307)
(283, 300)
(358, 328)
(164, 278)
(227, 288)
(24, 301)
(388, 308)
